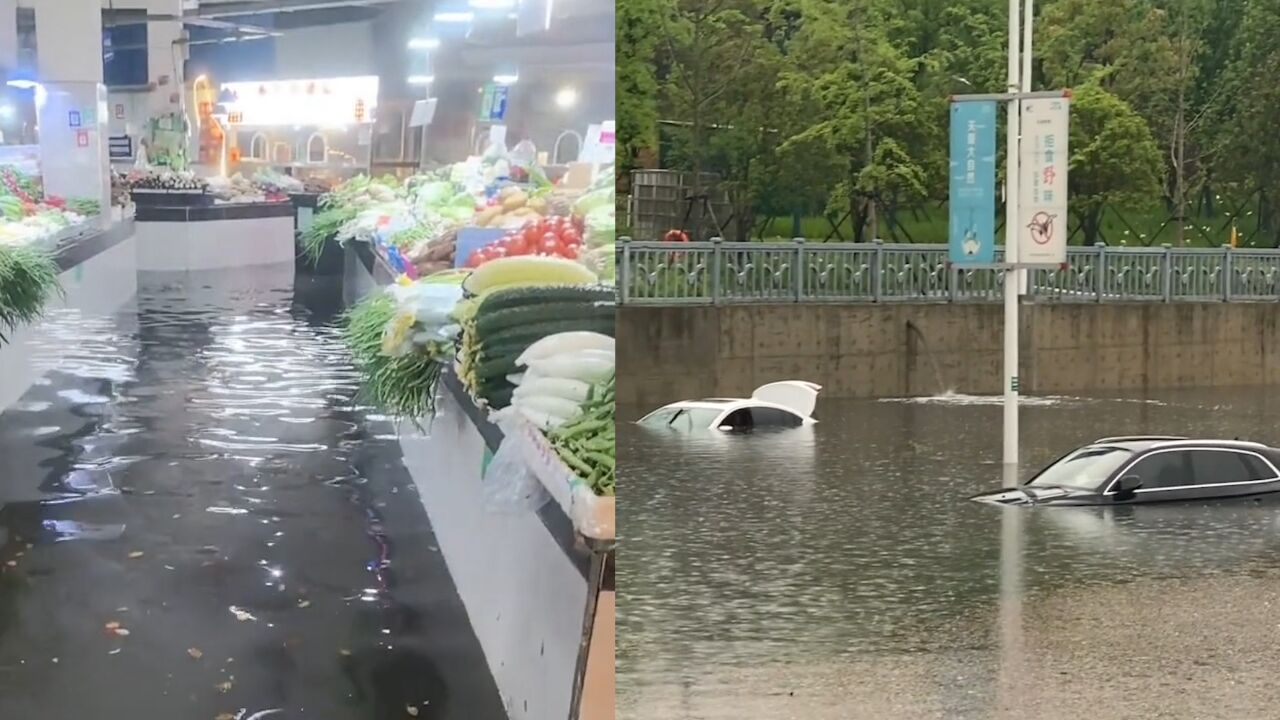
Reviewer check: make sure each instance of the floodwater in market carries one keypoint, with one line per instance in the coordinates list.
(198, 521)
(839, 572)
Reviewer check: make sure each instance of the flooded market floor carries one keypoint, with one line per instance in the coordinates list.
(839, 572)
(198, 521)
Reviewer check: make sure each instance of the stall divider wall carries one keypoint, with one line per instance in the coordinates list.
(522, 575)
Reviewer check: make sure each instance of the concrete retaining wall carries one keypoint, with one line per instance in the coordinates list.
(672, 353)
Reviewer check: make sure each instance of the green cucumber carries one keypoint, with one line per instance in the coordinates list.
(536, 331)
(490, 323)
(499, 368)
(528, 296)
(499, 397)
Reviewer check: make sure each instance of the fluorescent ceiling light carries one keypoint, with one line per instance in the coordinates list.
(421, 79)
(566, 98)
(424, 43)
(455, 17)
(23, 84)
(506, 79)
(492, 4)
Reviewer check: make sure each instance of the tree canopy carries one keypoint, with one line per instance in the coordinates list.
(840, 106)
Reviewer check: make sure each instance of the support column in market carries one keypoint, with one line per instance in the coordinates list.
(165, 59)
(72, 107)
(8, 34)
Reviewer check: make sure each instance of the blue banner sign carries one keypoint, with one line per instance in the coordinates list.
(972, 225)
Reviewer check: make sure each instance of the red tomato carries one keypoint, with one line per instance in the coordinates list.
(532, 234)
(570, 252)
(571, 236)
(550, 245)
(475, 260)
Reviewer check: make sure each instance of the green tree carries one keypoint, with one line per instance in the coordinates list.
(859, 87)
(1114, 158)
(708, 45)
(1251, 143)
(639, 24)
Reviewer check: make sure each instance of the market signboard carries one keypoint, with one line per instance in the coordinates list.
(493, 102)
(331, 102)
(972, 201)
(1042, 178)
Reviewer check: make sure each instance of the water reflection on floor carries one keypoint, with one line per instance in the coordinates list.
(197, 521)
(838, 572)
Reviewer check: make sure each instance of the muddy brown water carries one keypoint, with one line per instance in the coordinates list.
(839, 572)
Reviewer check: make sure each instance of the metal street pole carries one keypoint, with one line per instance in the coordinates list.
(1010, 459)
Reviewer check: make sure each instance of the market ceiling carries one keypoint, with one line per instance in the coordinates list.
(250, 17)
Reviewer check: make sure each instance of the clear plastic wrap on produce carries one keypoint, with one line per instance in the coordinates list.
(510, 485)
(593, 516)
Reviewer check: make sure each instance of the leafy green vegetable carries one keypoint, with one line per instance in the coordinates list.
(28, 277)
(403, 386)
(324, 226)
(586, 444)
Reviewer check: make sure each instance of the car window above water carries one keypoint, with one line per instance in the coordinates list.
(1085, 469)
(1164, 470)
(1227, 466)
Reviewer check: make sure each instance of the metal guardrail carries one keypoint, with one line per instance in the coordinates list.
(660, 273)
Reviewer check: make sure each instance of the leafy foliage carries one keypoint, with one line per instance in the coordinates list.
(840, 105)
(28, 277)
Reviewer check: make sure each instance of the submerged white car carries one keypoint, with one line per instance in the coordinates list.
(788, 403)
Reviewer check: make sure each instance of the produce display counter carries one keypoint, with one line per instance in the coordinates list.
(304, 205)
(538, 591)
(98, 274)
(214, 237)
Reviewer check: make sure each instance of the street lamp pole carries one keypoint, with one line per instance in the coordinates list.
(1016, 84)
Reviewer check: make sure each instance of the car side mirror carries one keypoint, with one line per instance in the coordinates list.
(1128, 484)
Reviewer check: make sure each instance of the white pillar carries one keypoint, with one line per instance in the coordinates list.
(8, 33)
(73, 111)
(164, 59)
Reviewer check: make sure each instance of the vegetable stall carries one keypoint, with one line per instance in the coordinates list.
(493, 351)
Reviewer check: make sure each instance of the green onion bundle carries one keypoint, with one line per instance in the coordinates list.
(403, 386)
(324, 225)
(27, 278)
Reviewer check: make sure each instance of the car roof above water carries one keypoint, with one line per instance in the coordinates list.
(1140, 443)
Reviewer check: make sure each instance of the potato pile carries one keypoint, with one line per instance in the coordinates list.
(513, 209)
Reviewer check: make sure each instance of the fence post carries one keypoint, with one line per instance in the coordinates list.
(1227, 275)
(1166, 276)
(625, 275)
(1100, 269)
(715, 267)
(797, 272)
(877, 271)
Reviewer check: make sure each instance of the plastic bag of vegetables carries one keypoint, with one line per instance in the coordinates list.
(422, 315)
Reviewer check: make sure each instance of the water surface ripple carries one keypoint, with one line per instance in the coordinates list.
(197, 519)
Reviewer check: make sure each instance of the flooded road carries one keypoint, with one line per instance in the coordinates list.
(198, 521)
(839, 572)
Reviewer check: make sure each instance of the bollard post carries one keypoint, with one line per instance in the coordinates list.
(624, 274)
(1166, 272)
(1227, 275)
(1100, 270)
(715, 268)
(877, 271)
(797, 272)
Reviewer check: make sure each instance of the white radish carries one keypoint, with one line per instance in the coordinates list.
(564, 343)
